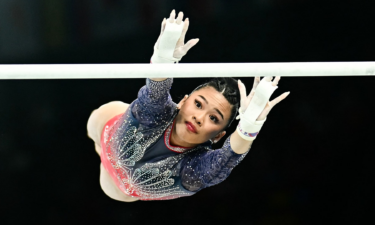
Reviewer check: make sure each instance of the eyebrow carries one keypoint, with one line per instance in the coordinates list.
(218, 111)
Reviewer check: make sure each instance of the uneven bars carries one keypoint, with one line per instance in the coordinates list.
(184, 70)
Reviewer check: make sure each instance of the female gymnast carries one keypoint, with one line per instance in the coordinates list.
(155, 149)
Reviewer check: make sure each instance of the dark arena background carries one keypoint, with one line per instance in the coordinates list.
(312, 163)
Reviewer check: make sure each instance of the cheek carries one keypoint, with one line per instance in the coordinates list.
(187, 105)
(211, 131)
(187, 110)
(208, 131)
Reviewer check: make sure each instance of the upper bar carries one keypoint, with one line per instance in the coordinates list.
(191, 70)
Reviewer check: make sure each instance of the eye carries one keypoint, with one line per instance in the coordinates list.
(198, 104)
(213, 118)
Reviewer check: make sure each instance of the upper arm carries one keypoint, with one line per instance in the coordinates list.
(206, 168)
(154, 103)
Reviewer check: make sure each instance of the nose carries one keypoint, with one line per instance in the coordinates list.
(198, 119)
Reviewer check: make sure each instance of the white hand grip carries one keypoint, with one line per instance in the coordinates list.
(248, 128)
(167, 44)
(263, 93)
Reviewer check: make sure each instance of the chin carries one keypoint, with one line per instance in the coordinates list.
(183, 134)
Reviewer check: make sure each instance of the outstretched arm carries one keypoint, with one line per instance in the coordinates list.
(203, 169)
(243, 137)
(154, 103)
(154, 99)
(170, 46)
(238, 144)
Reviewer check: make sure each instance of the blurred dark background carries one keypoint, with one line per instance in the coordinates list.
(313, 162)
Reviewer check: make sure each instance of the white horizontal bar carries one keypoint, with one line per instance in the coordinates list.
(96, 71)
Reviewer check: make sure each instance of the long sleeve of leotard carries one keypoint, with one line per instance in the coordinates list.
(154, 103)
(202, 169)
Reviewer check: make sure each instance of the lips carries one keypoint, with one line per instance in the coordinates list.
(191, 127)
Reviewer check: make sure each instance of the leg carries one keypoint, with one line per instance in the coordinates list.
(98, 149)
(99, 117)
(95, 125)
(110, 189)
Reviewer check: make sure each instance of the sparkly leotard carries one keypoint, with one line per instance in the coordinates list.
(139, 157)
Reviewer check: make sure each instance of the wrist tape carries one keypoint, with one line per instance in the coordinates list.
(248, 128)
(167, 44)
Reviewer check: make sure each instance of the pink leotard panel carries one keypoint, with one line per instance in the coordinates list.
(105, 158)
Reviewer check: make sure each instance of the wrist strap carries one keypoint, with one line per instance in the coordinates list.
(156, 58)
(249, 130)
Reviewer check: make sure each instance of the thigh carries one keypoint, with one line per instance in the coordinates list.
(110, 189)
(99, 117)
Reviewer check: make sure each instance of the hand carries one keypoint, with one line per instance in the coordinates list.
(245, 100)
(181, 48)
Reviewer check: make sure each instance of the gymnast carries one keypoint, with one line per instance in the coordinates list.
(155, 149)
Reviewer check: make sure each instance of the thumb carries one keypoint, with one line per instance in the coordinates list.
(190, 44)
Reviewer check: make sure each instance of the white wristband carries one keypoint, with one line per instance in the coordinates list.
(249, 130)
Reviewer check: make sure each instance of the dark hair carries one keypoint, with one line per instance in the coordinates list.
(229, 88)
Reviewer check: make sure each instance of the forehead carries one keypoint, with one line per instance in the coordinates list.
(215, 99)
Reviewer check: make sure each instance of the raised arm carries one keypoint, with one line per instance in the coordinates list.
(206, 168)
(203, 169)
(170, 47)
(253, 111)
(154, 102)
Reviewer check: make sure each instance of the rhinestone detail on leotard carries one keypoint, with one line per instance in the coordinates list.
(138, 128)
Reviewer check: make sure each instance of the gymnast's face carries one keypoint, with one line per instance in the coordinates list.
(208, 111)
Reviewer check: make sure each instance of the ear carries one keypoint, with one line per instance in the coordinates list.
(219, 136)
(182, 102)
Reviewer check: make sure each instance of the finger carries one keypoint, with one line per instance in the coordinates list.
(172, 16)
(179, 18)
(279, 99)
(163, 23)
(242, 89)
(190, 44)
(184, 30)
(276, 81)
(256, 82)
(269, 78)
